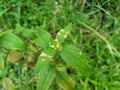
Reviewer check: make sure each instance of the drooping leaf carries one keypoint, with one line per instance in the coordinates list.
(63, 33)
(13, 56)
(41, 62)
(72, 56)
(8, 84)
(44, 58)
(11, 41)
(43, 39)
(28, 33)
(46, 76)
(5, 32)
(64, 80)
(1, 62)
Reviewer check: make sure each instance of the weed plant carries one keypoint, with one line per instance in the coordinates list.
(59, 45)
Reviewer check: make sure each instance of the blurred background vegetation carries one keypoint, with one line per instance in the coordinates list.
(96, 31)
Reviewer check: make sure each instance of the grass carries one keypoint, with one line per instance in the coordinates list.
(96, 32)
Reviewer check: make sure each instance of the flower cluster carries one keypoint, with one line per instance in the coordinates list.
(55, 45)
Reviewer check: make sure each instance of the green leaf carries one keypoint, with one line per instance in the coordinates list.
(63, 33)
(43, 39)
(8, 84)
(1, 73)
(28, 33)
(46, 76)
(11, 41)
(50, 52)
(64, 80)
(2, 12)
(5, 32)
(18, 29)
(72, 56)
(1, 62)
(44, 58)
(42, 61)
(13, 56)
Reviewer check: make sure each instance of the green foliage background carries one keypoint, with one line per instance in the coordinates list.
(95, 31)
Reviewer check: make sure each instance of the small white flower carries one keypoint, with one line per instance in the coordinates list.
(52, 46)
(59, 33)
(65, 36)
(56, 40)
(62, 30)
(60, 48)
(57, 45)
(56, 3)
